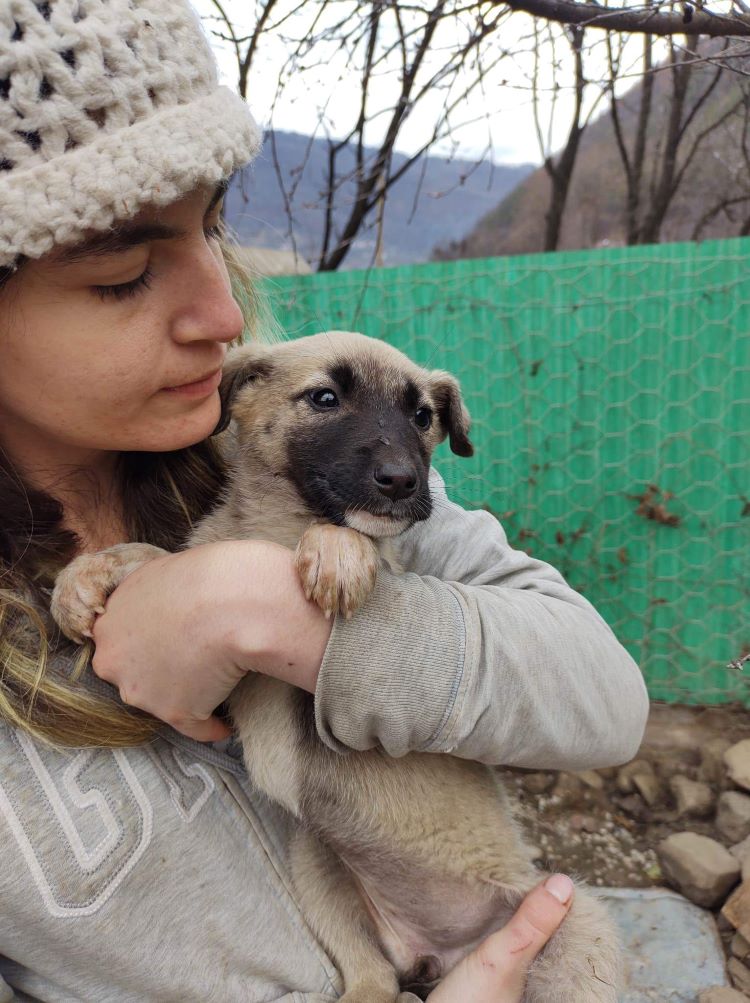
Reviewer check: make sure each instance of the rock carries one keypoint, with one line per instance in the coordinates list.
(702, 869)
(722, 994)
(537, 783)
(712, 770)
(691, 797)
(634, 806)
(587, 823)
(741, 852)
(568, 788)
(608, 772)
(739, 974)
(590, 778)
(648, 786)
(737, 762)
(733, 816)
(629, 770)
(736, 909)
(740, 946)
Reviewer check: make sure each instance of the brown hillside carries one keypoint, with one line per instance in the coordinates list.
(595, 211)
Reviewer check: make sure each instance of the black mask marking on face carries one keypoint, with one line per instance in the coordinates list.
(367, 456)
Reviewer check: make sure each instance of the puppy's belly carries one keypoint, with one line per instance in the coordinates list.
(431, 845)
(426, 923)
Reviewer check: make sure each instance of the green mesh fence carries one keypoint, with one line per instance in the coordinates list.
(610, 392)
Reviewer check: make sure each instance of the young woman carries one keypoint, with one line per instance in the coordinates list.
(138, 862)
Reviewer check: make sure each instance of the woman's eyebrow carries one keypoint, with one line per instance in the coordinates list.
(119, 239)
(123, 236)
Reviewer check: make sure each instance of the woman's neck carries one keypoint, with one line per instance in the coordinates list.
(84, 482)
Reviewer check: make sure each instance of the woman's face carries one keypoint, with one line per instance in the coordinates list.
(118, 343)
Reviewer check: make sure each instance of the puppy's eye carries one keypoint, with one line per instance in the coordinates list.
(423, 418)
(323, 399)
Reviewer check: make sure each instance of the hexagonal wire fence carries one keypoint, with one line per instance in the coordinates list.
(610, 396)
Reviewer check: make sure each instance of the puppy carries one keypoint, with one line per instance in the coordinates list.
(402, 866)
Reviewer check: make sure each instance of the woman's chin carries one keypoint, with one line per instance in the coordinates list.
(168, 434)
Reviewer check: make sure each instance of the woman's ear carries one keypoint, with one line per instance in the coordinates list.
(452, 414)
(243, 365)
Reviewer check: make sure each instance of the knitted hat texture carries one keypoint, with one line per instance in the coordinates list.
(106, 106)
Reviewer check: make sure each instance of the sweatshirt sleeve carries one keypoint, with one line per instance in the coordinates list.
(481, 651)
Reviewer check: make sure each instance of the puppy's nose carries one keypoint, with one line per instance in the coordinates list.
(395, 480)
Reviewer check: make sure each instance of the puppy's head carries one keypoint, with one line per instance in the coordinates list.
(349, 421)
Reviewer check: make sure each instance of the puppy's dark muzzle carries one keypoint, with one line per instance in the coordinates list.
(395, 481)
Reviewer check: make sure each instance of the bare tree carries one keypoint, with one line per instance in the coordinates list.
(733, 200)
(559, 163)
(664, 137)
(419, 60)
(675, 17)
(424, 53)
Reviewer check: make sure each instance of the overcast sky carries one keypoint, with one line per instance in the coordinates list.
(498, 118)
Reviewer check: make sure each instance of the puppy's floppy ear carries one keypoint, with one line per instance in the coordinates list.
(451, 411)
(243, 365)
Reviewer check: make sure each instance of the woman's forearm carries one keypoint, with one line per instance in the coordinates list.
(484, 652)
(498, 675)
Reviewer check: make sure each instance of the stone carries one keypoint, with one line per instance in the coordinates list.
(587, 823)
(740, 947)
(737, 762)
(733, 816)
(692, 798)
(736, 909)
(699, 867)
(712, 770)
(648, 786)
(722, 994)
(537, 783)
(590, 778)
(739, 974)
(629, 770)
(608, 772)
(670, 949)
(741, 852)
(568, 788)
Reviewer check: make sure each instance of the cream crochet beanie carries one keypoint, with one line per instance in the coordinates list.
(106, 106)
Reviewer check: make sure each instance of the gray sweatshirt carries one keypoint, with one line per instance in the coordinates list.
(158, 873)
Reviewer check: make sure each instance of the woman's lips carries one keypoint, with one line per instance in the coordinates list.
(200, 388)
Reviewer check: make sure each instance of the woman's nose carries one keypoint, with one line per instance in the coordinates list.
(209, 312)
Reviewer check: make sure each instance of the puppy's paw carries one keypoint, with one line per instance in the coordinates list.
(337, 567)
(82, 588)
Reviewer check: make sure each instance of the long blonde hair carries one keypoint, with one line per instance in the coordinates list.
(164, 495)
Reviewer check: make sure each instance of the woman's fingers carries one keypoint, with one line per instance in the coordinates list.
(496, 971)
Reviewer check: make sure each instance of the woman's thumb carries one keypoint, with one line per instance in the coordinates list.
(496, 971)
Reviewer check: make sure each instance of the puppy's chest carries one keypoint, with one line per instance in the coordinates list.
(240, 518)
(389, 555)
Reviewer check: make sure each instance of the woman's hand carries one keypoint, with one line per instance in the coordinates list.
(496, 971)
(178, 634)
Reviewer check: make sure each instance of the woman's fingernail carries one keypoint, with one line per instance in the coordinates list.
(561, 887)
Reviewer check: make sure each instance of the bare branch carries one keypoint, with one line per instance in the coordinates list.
(693, 20)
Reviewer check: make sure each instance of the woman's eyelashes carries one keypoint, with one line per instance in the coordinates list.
(124, 290)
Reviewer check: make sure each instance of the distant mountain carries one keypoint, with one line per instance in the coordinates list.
(436, 201)
(595, 212)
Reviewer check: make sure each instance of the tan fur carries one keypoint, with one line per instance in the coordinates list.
(401, 866)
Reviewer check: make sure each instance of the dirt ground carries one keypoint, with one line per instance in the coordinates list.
(584, 825)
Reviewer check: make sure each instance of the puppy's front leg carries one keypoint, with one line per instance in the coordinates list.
(82, 588)
(337, 567)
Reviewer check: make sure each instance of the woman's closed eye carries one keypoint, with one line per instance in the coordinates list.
(123, 290)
